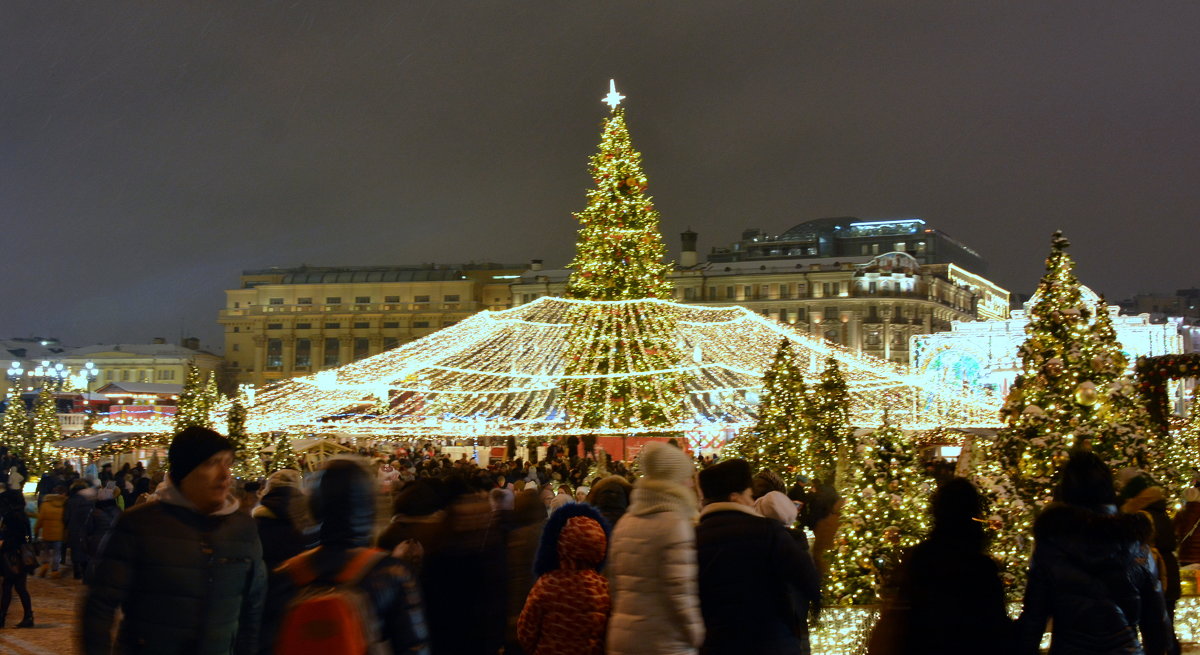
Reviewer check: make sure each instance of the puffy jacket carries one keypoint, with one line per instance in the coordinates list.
(1189, 544)
(656, 602)
(750, 564)
(99, 522)
(281, 540)
(75, 515)
(1092, 574)
(187, 582)
(567, 610)
(50, 517)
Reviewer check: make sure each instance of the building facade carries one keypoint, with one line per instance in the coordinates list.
(284, 322)
(873, 303)
(158, 362)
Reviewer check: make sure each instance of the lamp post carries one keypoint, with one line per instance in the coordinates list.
(51, 371)
(15, 373)
(90, 373)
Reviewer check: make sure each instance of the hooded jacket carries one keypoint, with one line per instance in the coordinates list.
(187, 582)
(281, 540)
(343, 502)
(567, 610)
(1092, 574)
(656, 603)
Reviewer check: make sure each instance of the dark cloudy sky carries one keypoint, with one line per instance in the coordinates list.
(150, 151)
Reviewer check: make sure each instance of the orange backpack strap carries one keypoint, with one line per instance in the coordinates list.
(361, 563)
(299, 568)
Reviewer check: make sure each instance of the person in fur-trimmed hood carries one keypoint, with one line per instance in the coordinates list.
(1092, 573)
(750, 565)
(566, 612)
(1141, 495)
(656, 603)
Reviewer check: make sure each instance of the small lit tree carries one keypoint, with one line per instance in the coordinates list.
(829, 410)
(247, 454)
(782, 439)
(192, 408)
(15, 424)
(284, 457)
(39, 452)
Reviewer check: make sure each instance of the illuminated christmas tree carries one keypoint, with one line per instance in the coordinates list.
(283, 457)
(829, 409)
(15, 424)
(1072, 391)
(782, 439)
(247, 462)
(1181, 456)
(38, 451)
(885, 512)
(625, 349)
(192, 408)
(1008, 517)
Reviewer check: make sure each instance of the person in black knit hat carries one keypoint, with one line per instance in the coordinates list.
(186, 570)
(747, 564)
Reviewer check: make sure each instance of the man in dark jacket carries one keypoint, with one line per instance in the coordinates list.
(187, 570)
(343, 502)
(748, 565)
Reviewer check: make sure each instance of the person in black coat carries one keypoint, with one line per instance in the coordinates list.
(80, 499)
(13, 537)
(951, 598)
(343, 503)
(185, 571)
(282, 539)
(749, 565)
(1092, 573)
(104, 515)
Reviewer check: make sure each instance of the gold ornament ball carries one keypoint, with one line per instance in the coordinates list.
(1086, 394)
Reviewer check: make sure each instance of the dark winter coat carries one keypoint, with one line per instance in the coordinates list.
(15, 534)
(1092, 574)
(1189, 544)
(280, 538)
(99, 522)
(79, 508)
(187, 582)
(951, 599)
(347, 519)
(748, 565)
(1153, 501)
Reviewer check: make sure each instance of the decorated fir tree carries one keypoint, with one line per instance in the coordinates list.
(1072, 391)
(38, 451)
(247, 461)
(15, 424)
(1180, 467)
(782, 439)
(1009, 519)
(886, 498)
(620, 355)
(829, 409)
(192, 408)
(283, 457)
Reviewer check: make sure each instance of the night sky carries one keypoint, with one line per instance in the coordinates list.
(151, 151)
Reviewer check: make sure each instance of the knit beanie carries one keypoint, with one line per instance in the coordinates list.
(191, 448)
(731, 476)
(660, 461)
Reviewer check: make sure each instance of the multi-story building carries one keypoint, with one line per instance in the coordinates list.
(283, 322)
(872, 303)
(157, 362)
(1185, 304)
(22, 356)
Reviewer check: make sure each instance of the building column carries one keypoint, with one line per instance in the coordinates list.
(260, 359)
(887, 339)
(376, 346)
(855, 329)
(287, 354)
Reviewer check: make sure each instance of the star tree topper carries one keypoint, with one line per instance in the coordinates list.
(613, 98)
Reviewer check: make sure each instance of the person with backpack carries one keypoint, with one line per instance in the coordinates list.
(342, 596)
(566, 612)
(186, 571)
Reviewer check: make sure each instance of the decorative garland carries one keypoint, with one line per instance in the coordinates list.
(1153, 374)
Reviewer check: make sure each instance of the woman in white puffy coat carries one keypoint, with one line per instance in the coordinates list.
(652, 565)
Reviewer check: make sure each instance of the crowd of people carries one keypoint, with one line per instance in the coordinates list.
(414, 552)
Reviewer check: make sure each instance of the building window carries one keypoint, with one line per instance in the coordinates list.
(359, 325)
(873, 338)
(303, 353)
(331, 351)
(390, 342)
(874, 248)
(712, 293)
(831, 314)
(333, 326)
(304, 326)
(236, 329)
(872, 287)
(833, 335)
(274, 326)
(391, 324)
(864, 249)
(901, 246)
(362, 347)
(274, 353)
(420, 324)
(333, 300)
(420, 298)
(801, 314)
(920, 247)
(391, 299)
(829, 289)
(689, 294)
(125, 375)
(450, 298)
(304, 301)
(275, 301)
(362, 300)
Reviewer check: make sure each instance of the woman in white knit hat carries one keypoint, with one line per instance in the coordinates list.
(656, 603)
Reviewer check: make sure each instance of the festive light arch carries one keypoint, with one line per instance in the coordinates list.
(1153, 374)
(502, 372)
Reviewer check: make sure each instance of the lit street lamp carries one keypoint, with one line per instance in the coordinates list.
(47, 371)
(15, 373)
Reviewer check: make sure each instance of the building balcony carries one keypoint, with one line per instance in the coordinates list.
(284, 310)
